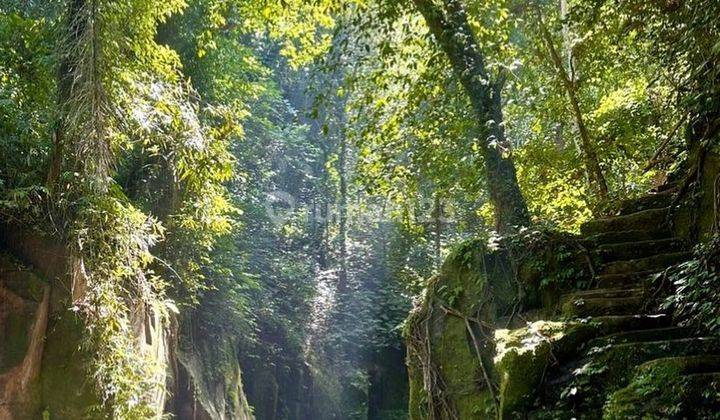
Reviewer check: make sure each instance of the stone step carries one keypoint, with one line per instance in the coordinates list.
(609, 293)
(561, 375)
(603, 306)
(625, 280)
(709, 376)
(619, 358)
(635, 336)
(614, 323)
(654, 263)
(641, 249)
(650, 219)
(687, 385)
(584, 330)
(610, 367)
(685, 365)
(624, 236)
(650, 201)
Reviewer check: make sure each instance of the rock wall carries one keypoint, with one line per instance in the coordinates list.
(41, 352)
(205, 382)
(44, 367)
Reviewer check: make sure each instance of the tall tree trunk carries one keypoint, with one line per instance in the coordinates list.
(77, 23)
(438, 219)
(342, 169)
(80, 127)
(592, 164)
(449, 25)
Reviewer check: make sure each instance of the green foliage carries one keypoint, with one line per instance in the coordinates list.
(111, 242)
(683, 37)
(26, 98)
(412, 140)
(693, 287)
(660, 383)
(133, 139)
(415, 131)
(627, 110)
(187, 162)
(180, 128)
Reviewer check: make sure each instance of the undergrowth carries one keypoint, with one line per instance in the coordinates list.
(110, 246)
(693, 288)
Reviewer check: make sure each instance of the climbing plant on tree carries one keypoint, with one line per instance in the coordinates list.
(449, 25)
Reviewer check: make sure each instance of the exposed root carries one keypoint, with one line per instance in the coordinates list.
(437, 404)
(492, 388)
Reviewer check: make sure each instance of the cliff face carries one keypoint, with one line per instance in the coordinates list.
(558, 326)
(44, 357)
(206, 381)
(42, 350)
(23, 323)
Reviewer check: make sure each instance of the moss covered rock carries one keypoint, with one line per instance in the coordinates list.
(42, 347)
(454, 371)
(676, 387)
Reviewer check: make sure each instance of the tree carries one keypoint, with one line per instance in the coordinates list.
(81, 99)
(570, 83)
(76, 26)
(449, 25)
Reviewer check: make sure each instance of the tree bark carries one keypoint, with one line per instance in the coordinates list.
(438, 219)
(342, 169)
(449, 25)
(77, 24)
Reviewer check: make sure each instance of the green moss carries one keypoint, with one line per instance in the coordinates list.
(463, 287)
(459, 367)
(522, 358)
(214, 371)
(660, 389)
(428, 329)
(480, 283)
(14, 337)
(524, 355)
(418, 395)
(487, 283)
(68, 389)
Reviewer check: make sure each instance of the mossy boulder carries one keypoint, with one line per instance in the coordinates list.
(481, 287)
(666, 388)
(525, 355)
(440, 342)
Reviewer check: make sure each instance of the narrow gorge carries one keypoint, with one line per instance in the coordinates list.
(359, 209)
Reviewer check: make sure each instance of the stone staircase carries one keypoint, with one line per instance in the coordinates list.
(636, 339)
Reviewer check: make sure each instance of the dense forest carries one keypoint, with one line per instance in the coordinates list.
(359, 209)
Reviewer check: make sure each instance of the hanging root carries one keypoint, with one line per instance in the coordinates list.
(492, 388)
(437, 404)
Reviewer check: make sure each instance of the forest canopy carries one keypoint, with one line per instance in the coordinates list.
(281, 177)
